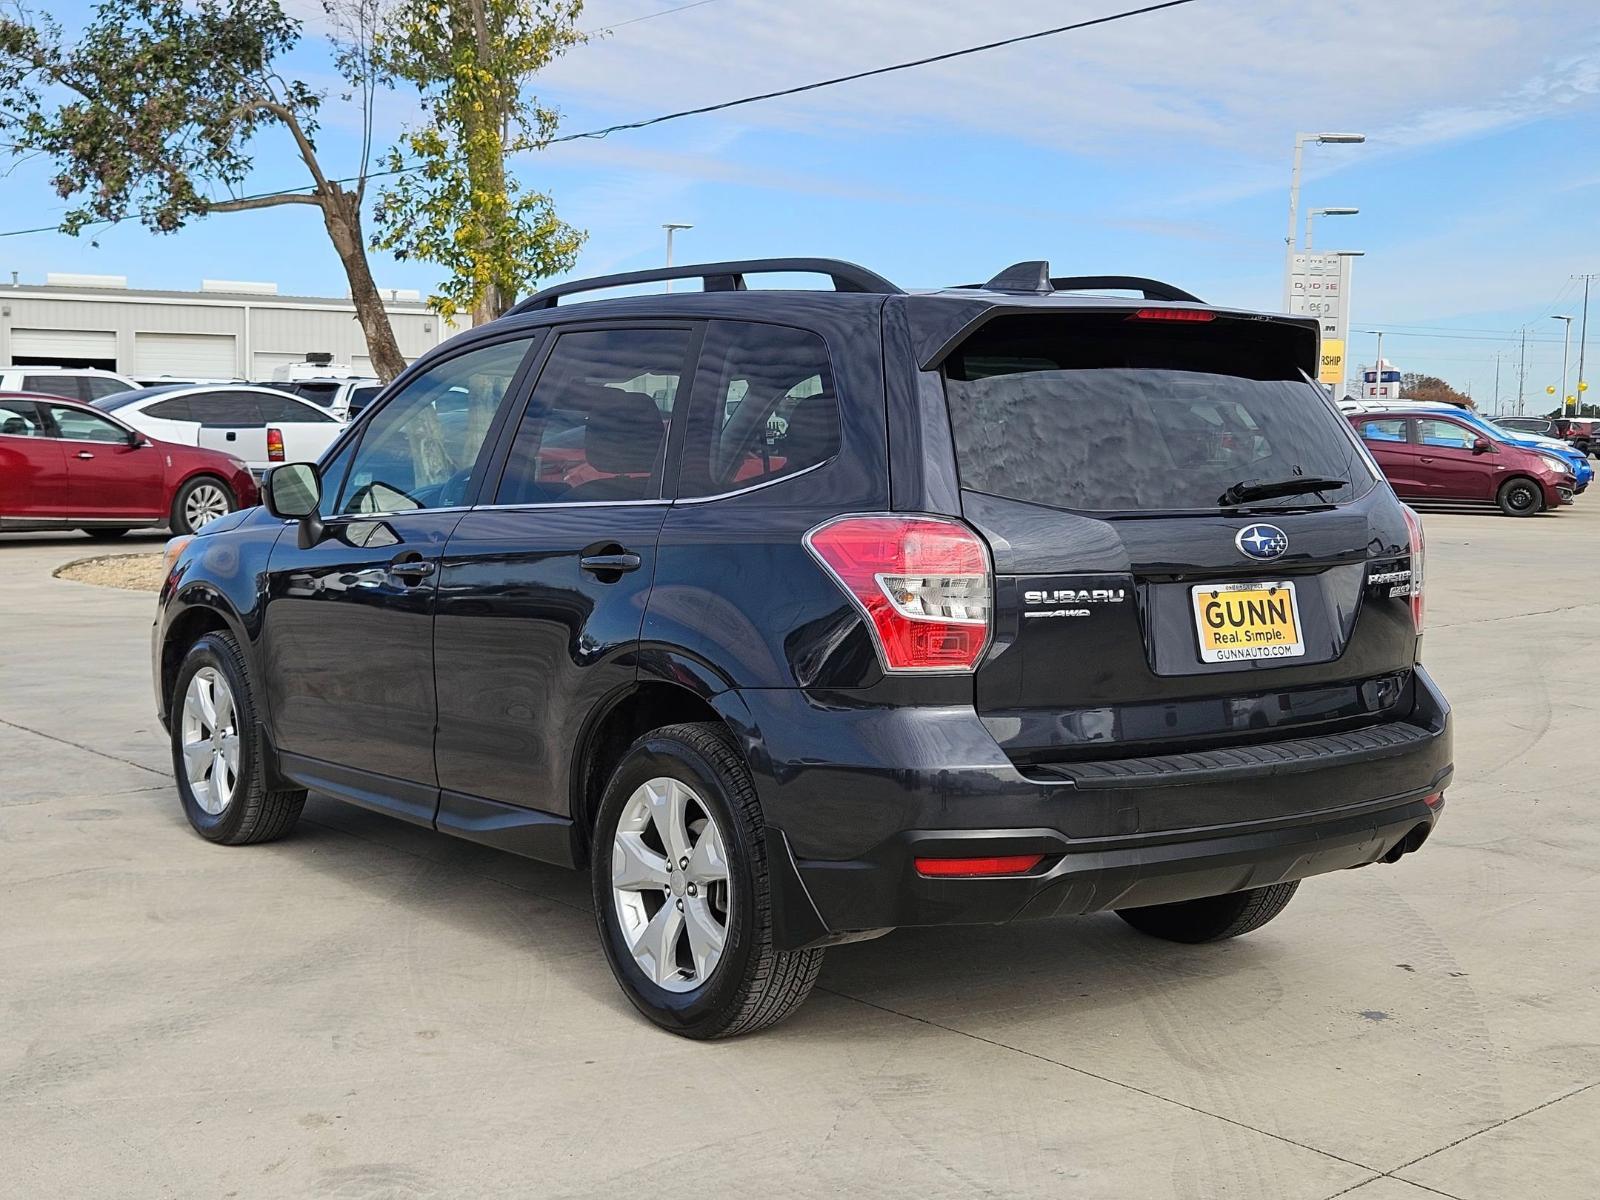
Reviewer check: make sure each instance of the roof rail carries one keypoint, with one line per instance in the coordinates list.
(719, 277)
(1153, 289)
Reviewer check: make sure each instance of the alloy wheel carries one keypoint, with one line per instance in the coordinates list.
(210, 740)
(670, 884)
(204, 505)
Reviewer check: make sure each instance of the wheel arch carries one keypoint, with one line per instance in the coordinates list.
(201, 610)
(625, 716)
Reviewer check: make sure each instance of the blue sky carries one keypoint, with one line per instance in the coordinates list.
(1158, 145)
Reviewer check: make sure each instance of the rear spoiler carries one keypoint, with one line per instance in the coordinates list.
(941, 323)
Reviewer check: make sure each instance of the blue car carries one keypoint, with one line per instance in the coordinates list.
(1581, 470)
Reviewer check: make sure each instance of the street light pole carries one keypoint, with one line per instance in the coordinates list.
(672, 227)
(1325, 212)
(1300, 140)
(1566, 346)
(1583, 342)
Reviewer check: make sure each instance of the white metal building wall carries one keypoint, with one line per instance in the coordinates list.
(264, 331)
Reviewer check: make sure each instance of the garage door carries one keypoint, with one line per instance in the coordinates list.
(185, 355)
(59, 345)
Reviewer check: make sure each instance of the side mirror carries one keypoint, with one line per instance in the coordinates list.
(137, 439)
(1482, 446)
(292, 491)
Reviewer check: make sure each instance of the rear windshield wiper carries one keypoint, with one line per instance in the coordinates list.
(1247, 490)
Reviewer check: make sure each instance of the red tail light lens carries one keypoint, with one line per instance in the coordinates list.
(1418, 548)
(995, 864)
(275, 445)
(923, 584)
(1172, 314)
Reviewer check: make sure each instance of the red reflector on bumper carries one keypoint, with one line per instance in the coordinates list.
(1001, 864)
(1434, 800)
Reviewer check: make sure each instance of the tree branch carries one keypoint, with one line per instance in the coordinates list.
(250, 202)
(284, 113)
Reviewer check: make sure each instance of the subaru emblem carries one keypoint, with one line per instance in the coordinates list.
(1261, 541)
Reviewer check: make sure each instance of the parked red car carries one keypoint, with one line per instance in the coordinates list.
(66, 465)
(1434, 456)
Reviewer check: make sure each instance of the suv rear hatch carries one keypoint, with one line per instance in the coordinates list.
(1191, 550)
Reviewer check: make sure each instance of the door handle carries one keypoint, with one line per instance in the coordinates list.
(1424, 459)
(610, 564)
(85, 454)
(412, 570)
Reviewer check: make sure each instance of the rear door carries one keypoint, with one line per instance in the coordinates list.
(33, 466)
(543, 587)
(1388, 440)
(1137, 611)
(230, 421)
(107, 475)
(1448, 463)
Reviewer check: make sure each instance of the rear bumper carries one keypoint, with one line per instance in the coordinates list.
(843, 839)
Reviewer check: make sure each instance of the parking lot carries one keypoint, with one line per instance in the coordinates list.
(365, 1009)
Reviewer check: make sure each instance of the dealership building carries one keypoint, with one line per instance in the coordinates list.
(226, 330)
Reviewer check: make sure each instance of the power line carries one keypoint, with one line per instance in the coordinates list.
(665, 12)
(726, 104)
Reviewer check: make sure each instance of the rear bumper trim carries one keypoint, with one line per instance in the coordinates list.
(1253, 761)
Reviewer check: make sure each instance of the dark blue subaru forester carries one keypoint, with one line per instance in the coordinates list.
(796, 616)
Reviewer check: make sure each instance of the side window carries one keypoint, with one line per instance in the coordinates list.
(65, 386)
(285, 409)
(96, 386)
(362, 396)
(79, 425)
(596, 427)
(764, 407)
(18, 418)
(176, 409)
(1383, 431)
(423, 448)
(225, 409)
(1445, 434)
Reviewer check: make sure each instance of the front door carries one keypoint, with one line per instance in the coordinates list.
(347, 635)
(107, 475)
(1449, 466)
(33, 466)
(542, 593)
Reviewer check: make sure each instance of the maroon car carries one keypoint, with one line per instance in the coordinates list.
(1436, 456)
(66, 465)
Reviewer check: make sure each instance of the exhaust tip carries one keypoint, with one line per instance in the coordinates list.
(1410, 844)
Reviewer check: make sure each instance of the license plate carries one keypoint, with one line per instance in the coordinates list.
(1247, 620)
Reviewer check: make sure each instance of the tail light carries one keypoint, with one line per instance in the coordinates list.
(923, 584)
(1418, 546)
(995, 864)
(275, 445)
(1173, 314)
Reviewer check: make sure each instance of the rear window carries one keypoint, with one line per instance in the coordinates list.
(1101, 414)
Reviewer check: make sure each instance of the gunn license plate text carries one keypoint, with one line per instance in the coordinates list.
(1247, 620)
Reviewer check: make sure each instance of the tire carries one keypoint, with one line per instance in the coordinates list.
(695, 770)
(1214, 918)
(102, 534)
(241, 808)
(197, 503)
(1520, 497)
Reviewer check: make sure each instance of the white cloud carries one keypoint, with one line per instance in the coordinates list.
(1229, 74)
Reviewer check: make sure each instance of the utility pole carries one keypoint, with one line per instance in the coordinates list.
(1497, 381)
(1583, 339)
(1522, 369)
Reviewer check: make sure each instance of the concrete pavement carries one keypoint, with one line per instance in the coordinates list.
(368, 1010)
